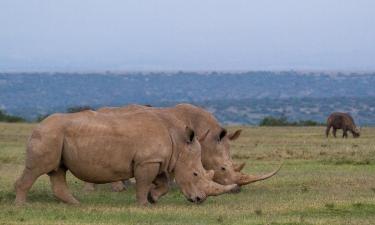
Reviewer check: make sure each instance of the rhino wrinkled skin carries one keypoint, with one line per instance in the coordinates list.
(102, 148)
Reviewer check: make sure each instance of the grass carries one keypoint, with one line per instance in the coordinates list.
(323, 181)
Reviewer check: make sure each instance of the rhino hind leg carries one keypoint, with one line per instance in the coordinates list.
(160, 188)
(23, 185)
(117, 186)
(60, 187)
(89, 186)
(144, 175)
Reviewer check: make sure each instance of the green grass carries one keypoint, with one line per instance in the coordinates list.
(323, 181)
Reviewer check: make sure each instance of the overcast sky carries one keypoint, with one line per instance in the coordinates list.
(72, 35)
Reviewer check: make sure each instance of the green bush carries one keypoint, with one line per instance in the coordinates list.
(273, 121)
(4, 117)
(283, 121)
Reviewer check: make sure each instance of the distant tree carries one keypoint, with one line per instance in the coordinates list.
(4, 117)
(75, 109)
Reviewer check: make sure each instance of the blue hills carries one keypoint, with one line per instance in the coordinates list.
(235, 98)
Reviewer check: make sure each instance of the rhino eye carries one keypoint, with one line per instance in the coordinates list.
(195, 174)
(223, 168)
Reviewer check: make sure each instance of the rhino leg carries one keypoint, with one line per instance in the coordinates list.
(144, 175)
(327, 130)
(60, 188)
(23, 185)
(161, 187)
(89, 186)
(117, 186)
(334, 132)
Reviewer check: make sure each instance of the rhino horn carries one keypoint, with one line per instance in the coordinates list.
(244, 179)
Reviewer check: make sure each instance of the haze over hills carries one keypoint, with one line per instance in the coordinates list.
(241, 98)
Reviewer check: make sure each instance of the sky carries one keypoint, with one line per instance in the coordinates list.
(121, 35)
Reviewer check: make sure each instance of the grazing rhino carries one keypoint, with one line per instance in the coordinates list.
(344, 121)
(98, 148)
(215, 148)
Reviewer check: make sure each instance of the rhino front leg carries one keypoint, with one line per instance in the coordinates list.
(161, 188)
(144, 175)
(327, 130)
(60, 188)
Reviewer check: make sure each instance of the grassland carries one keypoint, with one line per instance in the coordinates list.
(323, 181)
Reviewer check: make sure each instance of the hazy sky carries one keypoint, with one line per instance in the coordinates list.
(86, 35)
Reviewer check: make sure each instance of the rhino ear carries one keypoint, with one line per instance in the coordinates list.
(190, 134)
(235, 135)
(222, 134)
(203, 137)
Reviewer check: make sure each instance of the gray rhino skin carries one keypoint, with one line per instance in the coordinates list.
(215, 147)
(99, 148)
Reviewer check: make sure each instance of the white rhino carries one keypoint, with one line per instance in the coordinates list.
(101, 148)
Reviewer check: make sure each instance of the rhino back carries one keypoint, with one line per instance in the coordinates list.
(341, 120)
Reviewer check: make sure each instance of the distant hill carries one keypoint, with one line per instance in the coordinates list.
(234, 97)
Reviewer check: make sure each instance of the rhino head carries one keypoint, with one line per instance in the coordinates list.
(194, 181)
(216, 156)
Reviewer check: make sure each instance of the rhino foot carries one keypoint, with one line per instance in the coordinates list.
(150, 198)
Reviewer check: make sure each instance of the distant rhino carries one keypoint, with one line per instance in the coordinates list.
(215, 148)
(99, 148)
(344, 121)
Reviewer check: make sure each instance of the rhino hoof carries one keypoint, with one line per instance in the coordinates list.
(150, 198)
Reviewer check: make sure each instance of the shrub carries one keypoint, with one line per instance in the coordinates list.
(272, 121)
(4, 117)
(283, 121)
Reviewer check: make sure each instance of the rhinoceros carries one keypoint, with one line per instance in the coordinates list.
(215, 148)
(344, 121)
(97, 148)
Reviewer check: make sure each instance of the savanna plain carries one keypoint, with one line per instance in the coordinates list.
(322, 181)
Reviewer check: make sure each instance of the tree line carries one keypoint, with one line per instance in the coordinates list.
(266, 121)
